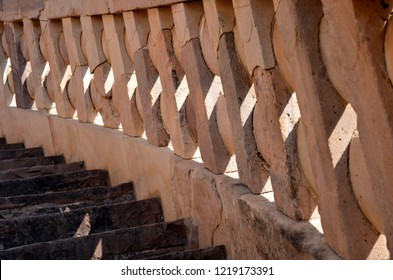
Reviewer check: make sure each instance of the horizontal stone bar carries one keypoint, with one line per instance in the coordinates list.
(13, 10)
(74, 8)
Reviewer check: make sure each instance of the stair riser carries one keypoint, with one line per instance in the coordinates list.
(63, 182)
(93, 195)
(30, 172)
(4, 147)
(21, 153)
(29, 162)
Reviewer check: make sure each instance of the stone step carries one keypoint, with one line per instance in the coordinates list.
(29, 162)
(40, 170)
(51, 183)
(57, 202)
(15, 146)
(213, 253)
(79, 222)
(106, 244)
(145, 254)
(21, 153)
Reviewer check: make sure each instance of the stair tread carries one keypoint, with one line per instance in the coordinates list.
(140, 255)
(212, 253)
(104, 244)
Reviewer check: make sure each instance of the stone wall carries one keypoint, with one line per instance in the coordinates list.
(267, 121)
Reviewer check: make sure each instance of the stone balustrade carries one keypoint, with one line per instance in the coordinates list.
(293, 95)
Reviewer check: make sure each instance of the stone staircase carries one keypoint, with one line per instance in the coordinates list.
(53, 210)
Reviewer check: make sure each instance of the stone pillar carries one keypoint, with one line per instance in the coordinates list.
(39, 67)
(81, 77)
(20, 69)
(276, 112)
(5, 70)
(52, 39)
(173, 81)
(125, 84)
(102, 82)
(328, 123)
(239, 93)
(149, 83)
(362, 78)
(204, 87)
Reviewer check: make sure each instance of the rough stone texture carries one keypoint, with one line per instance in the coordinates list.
(104, 245)
(124, 88)
(29, 162)
(27, 172)
(14, 146)
(80, 87)
(73, 34)
(276, 116)
(149, 84)
(101, 95)
(202, 85)
(209, 47)
(60, 71)
(94, 7)
(362, 184)
(181, 186)
(20, 153)
(191, 184)
(363, 56)
(240, 97)
(329, 124)
(388, 45)
(23, 231)
(13, 33)
(173, 81)
(64, 8)
(254, 19)
(39, 67)
(92, 28)
(233, 225)
(16, 9)
(69, 181)
(215, 253)
(3, 72)
(299, 240)
(58, 201)
(206, 215)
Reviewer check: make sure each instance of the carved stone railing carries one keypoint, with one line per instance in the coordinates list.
(294, 95)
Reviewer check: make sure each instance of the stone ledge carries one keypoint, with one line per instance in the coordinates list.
(73, 8)
(299, 239)
(14, 10)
